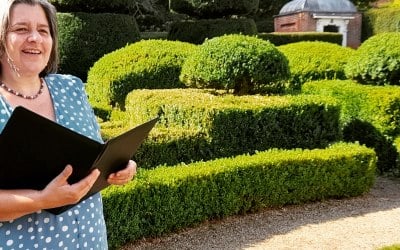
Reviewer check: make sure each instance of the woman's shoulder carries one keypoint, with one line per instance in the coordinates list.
(63, 81)
(63, 78)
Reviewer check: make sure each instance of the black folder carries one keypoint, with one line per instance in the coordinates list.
(34, 150)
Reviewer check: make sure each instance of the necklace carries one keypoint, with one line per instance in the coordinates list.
(16, 93)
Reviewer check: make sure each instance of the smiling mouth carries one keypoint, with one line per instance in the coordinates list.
(31, 51)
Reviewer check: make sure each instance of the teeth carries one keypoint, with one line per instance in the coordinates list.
(32, 51)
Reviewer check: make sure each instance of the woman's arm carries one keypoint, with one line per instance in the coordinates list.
(17, 203)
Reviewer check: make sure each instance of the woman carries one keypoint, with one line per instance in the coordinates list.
(28, 61)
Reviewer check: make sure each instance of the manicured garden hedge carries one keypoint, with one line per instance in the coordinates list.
(370, 115)
(171, 198)
(379, 20)
(315, 60)
(213, 8)
(199, 124)
(84, 38)
(150, 64)
(197, 31)
(376, 61)
(244, 64)
(282, 38)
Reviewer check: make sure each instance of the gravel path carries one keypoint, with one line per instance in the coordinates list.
(366, 222)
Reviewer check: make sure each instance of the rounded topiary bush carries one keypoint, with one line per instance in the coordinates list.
(213, 8)
(243, 63)
(377, 60)
(147, 64)
(85, 37)
(315, 60)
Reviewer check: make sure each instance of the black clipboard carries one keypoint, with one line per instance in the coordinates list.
(34, 150)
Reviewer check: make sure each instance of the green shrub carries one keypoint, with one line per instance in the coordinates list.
(96, 6)
(206, 125)
(242, 63)
(376, 61)
(167, 199)
(281, 38)
(315, 60)
(370, 115)
(213, 8)
(84, 38)
(197, 31)
(151, 64)
(378, 105)
(379, 20)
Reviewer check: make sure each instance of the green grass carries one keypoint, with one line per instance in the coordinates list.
(392, 247)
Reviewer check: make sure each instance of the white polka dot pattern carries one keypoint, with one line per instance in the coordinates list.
(82, 226)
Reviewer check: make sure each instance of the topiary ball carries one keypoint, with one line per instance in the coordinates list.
(377, 60)
(148, 64)
(315, 60)
(244, 64)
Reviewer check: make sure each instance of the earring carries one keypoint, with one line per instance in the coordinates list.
(13, 66)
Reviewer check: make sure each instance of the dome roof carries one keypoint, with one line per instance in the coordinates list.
(338, 6)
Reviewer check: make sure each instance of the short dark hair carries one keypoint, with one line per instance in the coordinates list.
(51, 15)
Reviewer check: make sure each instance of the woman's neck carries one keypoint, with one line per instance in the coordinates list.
(25, 84)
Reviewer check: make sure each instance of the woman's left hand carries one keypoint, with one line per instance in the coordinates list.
(123, 176)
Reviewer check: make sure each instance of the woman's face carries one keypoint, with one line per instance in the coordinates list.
(28, 40)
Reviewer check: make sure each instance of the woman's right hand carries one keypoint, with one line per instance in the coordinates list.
(19, 202)
(59, 192)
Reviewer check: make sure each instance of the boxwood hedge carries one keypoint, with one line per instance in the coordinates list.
(150, 64)
(240, 63)
(376, 61)
(84, 38)
(314, 60)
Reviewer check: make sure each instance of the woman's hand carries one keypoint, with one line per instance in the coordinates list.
(123, 176)
(59, 192)
(19, 202)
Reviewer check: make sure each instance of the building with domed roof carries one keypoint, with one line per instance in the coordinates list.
(321, 16)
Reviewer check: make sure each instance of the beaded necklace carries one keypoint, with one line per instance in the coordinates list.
(16, 93)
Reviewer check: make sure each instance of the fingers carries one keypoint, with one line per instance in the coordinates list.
(84, 185)
(64, 175)
(123, 176)
(59, 192)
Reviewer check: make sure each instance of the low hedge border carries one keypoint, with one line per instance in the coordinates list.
(170, 198)
(281, 38)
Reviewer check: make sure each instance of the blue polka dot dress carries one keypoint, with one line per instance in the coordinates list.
(82, 226)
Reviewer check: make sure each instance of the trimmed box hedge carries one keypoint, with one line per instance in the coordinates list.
(281, 38)
(84, 38)
(167, 199)
(213, 124)
(148, 64)
(370, 115)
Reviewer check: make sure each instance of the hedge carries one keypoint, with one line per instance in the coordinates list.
(197, 31)
(376, 61)
(244, 64)
(167, 199)
(315, 60)
(84, 38)
(282, 38)
(213, 125)
(370, 114)
(213, 8)
(149, 64)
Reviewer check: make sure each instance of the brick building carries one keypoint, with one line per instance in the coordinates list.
(321, 16)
